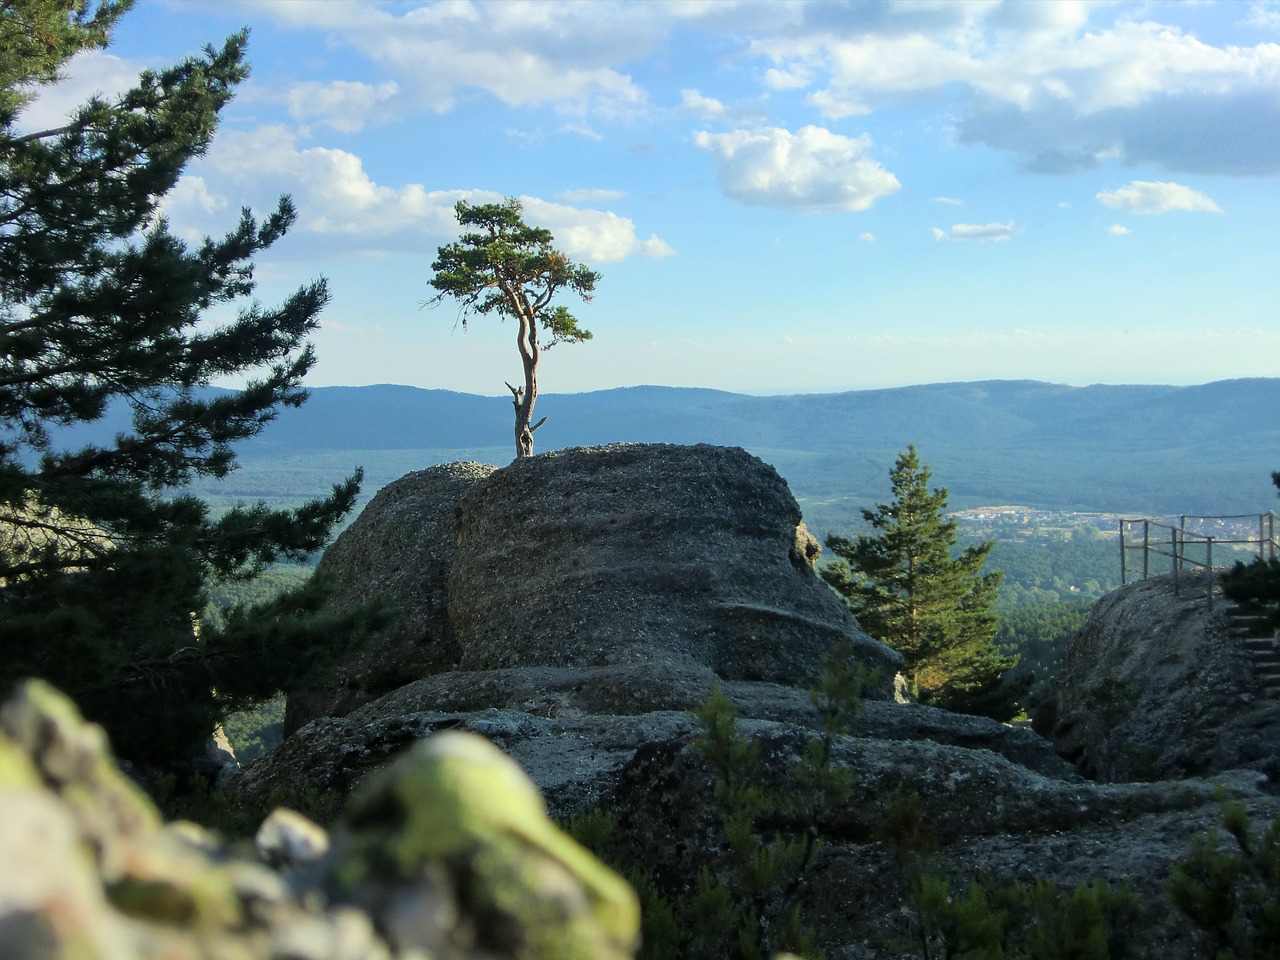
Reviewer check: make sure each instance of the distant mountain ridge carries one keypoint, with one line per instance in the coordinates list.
(1208, 448)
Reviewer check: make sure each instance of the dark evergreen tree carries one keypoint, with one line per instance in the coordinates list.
(1255, 586)
(507, 267)
(103, 561)
(909, 588)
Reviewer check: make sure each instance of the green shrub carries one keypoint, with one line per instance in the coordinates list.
(1021, 921)
(1230, 889)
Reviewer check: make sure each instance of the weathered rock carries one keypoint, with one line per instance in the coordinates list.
(1155, 686)
(987, 798)
(596, 596)
(91, 871)
(397, 551)
(643, 553)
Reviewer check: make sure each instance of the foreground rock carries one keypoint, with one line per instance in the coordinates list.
(447, 854)
(1156, 687)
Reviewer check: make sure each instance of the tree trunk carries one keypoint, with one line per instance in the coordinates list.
(526, 396)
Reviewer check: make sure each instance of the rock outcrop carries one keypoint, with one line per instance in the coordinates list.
(397, 552)
(644, 553)
(597, 595)
(1155, 686)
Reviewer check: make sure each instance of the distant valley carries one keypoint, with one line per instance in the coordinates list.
(1137, 450)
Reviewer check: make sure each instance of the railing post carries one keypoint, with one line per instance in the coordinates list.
(1146, 547)
(1173, 540)
(1208, 562)
(1124, 578)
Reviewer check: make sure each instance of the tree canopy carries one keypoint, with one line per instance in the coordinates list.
(909, 588)
(507, 267)
(103, 559)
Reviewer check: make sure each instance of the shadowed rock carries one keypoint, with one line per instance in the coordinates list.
(397, 551)
(1155, 686)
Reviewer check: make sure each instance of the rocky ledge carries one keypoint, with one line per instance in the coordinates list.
(594, 597)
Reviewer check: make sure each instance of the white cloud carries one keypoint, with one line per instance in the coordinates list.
(1062, 84)
(836, 106)
(791, 79)
(1265, 15)
(691, 101)
(1145, 196)
(867, 237)
(992, 232)
(88, 73)
(1118, 230)
(337, 197)
(950, 200)
(521, 53)
(341, 104)
(595, 235)
(190, 193)
(810, 170)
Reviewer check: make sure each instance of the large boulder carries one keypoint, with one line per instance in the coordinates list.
(398, 552)
(597, 595)
(1156, 686)
(645, 553)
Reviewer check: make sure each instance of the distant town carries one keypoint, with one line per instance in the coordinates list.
(1247, 533)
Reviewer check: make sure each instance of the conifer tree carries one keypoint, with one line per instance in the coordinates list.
(909, 588)
(507, 267)
(103, 560)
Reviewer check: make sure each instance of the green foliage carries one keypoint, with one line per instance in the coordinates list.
(104, 560)
(1230, 889)
(1256, 586)
(1037, 634)
(906, 588)
(256, 730)
(750, 906)
(1024, 921)
(510, 268)
(904, 827)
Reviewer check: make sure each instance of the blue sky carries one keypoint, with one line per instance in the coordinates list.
(782, 197)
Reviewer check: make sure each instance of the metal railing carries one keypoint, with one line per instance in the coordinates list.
(1182, 542)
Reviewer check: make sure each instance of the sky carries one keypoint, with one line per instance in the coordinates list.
(780, 197)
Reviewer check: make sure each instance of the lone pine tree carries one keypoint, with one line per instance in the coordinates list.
(103, 560)
(509, 268)
(907, 586)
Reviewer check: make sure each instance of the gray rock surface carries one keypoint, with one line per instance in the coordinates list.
(640, 553)
(1155, 686)
(597, 595)
(398, 551)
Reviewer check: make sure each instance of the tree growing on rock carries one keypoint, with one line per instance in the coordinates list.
(907, 587)
(103, 561)
(507, 267)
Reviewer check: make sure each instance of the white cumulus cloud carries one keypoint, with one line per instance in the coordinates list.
(595, 235)
(988, 232)
(1147, 196)
(1118, 230)
(340, 104)
(336, 196)
(691, 101)
(810, 170)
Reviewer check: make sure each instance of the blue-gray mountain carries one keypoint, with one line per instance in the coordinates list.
(1206, 449)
